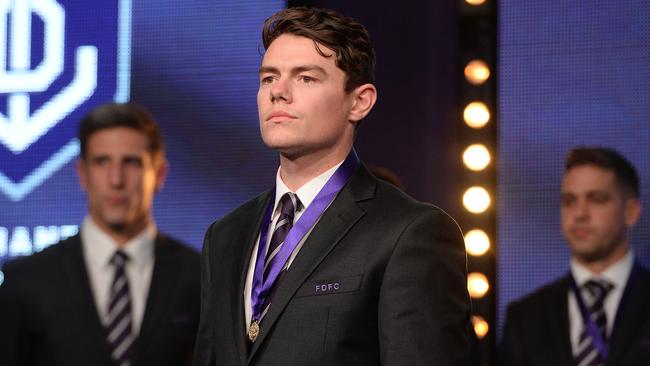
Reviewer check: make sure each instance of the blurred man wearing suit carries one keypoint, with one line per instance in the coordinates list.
(331, 266)
(120, 292)
(599, 313)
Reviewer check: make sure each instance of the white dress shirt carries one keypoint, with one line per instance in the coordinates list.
(617, 275)
(98, 249)
(306, 195)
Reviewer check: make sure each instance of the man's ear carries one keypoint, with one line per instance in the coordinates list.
(81, 174)
(364, 98)
(161, 173)
(632, 212)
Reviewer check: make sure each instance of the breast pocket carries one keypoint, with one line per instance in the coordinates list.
(330, 286)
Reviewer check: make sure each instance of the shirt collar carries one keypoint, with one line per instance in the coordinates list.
(307, 192)
(102, 247)
(617, 274)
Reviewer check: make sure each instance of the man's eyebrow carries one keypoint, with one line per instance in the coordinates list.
(268, 69)
(294, 70)
(302, 68)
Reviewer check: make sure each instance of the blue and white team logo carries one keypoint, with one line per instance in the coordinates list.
(58, 59)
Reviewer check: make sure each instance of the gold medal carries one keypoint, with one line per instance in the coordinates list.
(253, 330)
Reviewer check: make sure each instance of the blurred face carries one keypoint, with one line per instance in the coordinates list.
(120, 178)
(596, 214)
(302, 105)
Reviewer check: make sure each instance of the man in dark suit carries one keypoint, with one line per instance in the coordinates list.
(599, 313)
(332, 266)
(119, 292)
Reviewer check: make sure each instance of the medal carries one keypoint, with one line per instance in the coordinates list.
(254, 330)
(263, 283)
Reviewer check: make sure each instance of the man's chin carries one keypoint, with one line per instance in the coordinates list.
(289, 151)
(592, 255)
(117, 226)
(115, 222)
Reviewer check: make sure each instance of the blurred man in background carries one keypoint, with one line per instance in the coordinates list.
(599, 314)
(120, 292)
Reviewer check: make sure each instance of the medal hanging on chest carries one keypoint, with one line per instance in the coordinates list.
(261, 286)
(253, 330)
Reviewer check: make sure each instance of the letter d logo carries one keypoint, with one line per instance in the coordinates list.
(58, 59)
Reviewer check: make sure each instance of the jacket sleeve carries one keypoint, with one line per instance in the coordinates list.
(510, 351)
(424, 306)
(204, 345)
(15, 343)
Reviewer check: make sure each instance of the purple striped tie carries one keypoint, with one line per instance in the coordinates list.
(288, 205)
(587, 354)
(119, 332)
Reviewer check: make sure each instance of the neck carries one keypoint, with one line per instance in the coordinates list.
(295, 171)
(601, 265)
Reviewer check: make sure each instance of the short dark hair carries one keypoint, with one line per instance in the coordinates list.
(608, 159)
(347, 38)
(128, 115)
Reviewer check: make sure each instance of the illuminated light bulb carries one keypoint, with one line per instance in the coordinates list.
(475, 2)
(477, 242)
(477, 285)
(476, 115)
(481, 326)
(476, 199)
(477, 72)
(476, 157)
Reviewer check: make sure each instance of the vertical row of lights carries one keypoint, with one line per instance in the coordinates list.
(478, 139)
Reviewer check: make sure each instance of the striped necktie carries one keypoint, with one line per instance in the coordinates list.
(595, 294)
(119, 327)
(289, 203)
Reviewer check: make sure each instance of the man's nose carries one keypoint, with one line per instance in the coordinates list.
(581, 210)
(116, 175)
(281, 91)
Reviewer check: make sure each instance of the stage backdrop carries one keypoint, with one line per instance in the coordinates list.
(192, 63)
(570, 73)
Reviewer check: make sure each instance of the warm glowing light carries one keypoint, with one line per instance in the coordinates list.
(476, 115)
(477, 285)
(476, 157)
(476, 199)
(477, 242)
(475, 2)
(477, 72)
(481, 327)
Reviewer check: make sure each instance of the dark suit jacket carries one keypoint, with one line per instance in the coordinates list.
(400, 267)
(48, 315)
(537, 327)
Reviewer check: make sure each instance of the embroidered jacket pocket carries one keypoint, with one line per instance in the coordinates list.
(330, 287)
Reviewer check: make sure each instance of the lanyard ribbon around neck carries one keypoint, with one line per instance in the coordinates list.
(262, 286)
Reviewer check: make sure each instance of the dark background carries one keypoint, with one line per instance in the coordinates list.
(412, 129)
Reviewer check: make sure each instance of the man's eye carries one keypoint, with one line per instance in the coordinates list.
(600, 198)
(307, 79)
(100, 161)
(567, 201)
(266, 80)
(133, 162)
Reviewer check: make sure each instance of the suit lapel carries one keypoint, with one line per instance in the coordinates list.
(87, 313)
(335, 222)
(161, 293)
(630, 315)
(249, 231)
(558, 316)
